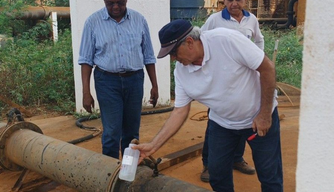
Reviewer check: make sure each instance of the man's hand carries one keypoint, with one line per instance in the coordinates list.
(262, 121)
(87, 99)
(154, 96)
(88, 102)
(150, 68)
(262, 124)
(146, 149)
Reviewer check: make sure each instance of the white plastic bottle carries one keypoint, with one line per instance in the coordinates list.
(129, 164)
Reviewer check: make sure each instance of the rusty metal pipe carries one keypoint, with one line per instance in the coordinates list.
(144, 182)
(23, 145)
(73, 166)
(41, 12)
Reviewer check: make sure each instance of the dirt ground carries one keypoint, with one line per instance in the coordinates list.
(192, 133)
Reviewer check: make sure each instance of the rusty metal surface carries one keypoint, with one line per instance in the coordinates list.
(180, 156)
(20, 180)
(73, 166)
(144, 182)
(42, 12)
(5, 133)
(76, 167)
(13, 104)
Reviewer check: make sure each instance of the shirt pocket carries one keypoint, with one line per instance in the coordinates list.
(132, 40)
(249, 33)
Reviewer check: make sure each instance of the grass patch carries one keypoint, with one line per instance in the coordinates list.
(289, 55)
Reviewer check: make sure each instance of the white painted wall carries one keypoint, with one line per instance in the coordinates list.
(157, 14)
(315, 166)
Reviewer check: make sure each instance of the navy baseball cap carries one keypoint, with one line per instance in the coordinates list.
(171, 33)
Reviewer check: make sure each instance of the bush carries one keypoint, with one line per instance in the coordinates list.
(37, 73)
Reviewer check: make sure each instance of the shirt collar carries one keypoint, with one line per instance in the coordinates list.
(226, 15)
(106, 15)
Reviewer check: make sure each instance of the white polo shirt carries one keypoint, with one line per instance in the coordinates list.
(227, 82)
(249, 25)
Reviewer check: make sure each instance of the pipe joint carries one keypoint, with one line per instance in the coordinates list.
(5, 134)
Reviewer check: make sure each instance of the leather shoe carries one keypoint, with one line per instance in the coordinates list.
(243, 167)
(205, 175)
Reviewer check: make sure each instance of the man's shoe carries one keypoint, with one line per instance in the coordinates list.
(205, 174)
(243, 167)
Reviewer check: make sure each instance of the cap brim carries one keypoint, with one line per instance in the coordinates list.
(164, 51)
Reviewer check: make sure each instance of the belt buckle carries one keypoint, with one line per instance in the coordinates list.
(122, 73)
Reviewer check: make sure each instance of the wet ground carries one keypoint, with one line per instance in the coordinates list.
(191, 134)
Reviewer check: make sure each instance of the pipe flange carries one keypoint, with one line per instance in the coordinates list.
(114, 178)
(5, 133)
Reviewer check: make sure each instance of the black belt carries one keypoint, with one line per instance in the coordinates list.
(120, 74)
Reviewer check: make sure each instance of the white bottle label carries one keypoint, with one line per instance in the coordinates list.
(127, 160)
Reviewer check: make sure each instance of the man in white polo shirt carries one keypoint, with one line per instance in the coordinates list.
(232, 76)
(233, 16)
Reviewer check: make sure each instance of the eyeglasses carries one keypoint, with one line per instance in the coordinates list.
(173, 52)
(111, 4)
(233, 0)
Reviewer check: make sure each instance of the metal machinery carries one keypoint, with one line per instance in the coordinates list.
(279, 11)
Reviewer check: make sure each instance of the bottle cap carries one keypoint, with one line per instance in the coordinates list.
(131, 144)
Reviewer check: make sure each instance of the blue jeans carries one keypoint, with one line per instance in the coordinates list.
(120, 101)
(266, 153)
(239, 152)
(238, 155)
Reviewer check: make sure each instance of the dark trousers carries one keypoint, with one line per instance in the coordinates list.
(120, 101)
(266, 152)
(239, 152)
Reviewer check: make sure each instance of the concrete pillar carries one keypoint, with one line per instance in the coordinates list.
(316, 134)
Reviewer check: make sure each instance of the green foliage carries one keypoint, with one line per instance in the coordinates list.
(10, 25)
(35, 71)
(289, 55)
(172, 80)
(198, 23)
(38, 73)
(9, 11)
(62, 3)
(39, 32)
